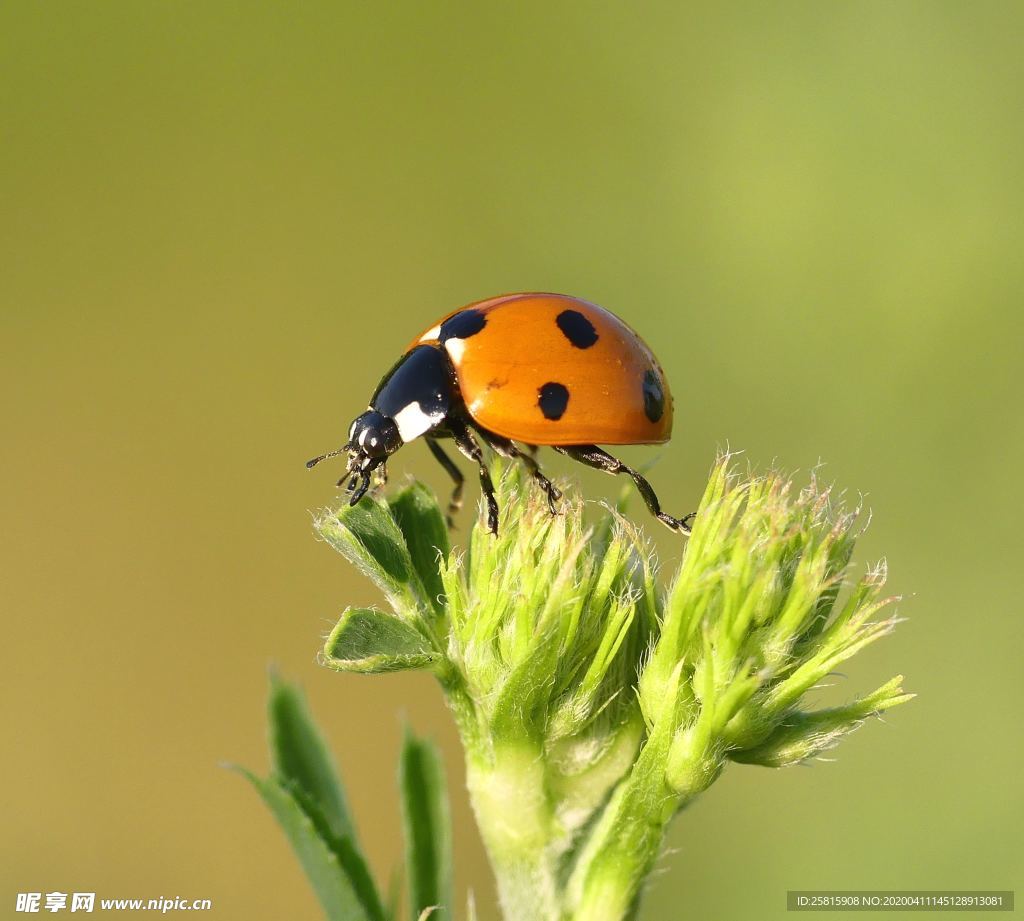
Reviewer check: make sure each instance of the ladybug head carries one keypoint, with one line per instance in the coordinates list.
(372, 437)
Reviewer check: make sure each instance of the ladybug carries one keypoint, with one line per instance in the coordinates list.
(538, 369)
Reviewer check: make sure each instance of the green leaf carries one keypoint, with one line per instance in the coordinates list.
(419, 517)
(301, 759)
(305, 771)
(349, 856)
(332, 885)
(427, 826)
(368, 537)
(370, 641)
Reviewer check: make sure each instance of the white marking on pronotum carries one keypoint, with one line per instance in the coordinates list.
(455, 348)
(431, 334)
(413, 422)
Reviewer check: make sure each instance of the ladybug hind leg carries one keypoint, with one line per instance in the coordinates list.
(508, 449)
(593, 456)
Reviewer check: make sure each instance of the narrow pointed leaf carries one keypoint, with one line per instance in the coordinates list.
(427, 826)
(330, 882)
(302, 760)
(349, 856)
(370, 641)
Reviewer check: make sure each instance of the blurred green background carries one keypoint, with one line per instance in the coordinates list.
(220, 222)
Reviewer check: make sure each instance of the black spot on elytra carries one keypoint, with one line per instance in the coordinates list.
(464, 324)
(577, 328)
(552, 399)
(654, 397)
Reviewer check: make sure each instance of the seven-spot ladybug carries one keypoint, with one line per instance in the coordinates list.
(539, 369)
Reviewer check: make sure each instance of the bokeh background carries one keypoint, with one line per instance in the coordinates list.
(219, 224)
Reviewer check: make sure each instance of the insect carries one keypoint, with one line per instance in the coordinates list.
(532, 369)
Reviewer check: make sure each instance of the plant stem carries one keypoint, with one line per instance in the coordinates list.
(622, 849)
(513, 810)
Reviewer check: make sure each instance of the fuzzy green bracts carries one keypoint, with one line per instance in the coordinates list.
(591, 702)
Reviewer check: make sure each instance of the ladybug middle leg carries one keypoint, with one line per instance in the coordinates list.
(593, 456)
(455, 503)
(507, 448)
(468, 445)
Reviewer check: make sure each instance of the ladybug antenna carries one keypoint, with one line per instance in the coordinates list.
(310, 464)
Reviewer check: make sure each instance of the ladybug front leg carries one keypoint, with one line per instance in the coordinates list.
(467, 444)
(358, 488)
(593, 456)
(362, 477)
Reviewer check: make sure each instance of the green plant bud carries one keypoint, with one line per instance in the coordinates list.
(694, 762)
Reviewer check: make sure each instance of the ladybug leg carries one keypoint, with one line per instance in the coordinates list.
(364, 484)
(593, 456)
(506, 448)
(363, 477)
(468, 445)
(550, 490)
(455, 503)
